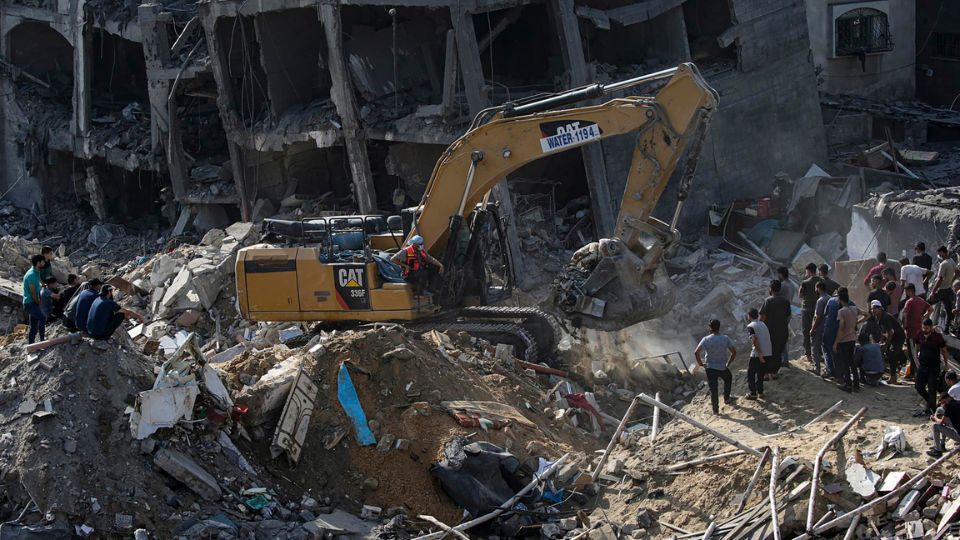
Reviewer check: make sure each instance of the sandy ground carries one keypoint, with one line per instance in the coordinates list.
(689, 498)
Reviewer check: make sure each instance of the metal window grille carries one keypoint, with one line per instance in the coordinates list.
(946, 45)
(863, 30)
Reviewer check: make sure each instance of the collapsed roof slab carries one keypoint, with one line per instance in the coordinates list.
(233, 8)
(897, 220)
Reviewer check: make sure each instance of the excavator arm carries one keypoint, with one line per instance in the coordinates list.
(612, 283)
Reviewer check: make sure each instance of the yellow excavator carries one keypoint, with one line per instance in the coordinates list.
(338, 269)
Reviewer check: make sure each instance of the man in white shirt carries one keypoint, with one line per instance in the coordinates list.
(760, 355)
(912, 273)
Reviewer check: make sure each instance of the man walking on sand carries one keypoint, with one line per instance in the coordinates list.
(760, 355)
(711, 354)
(845, 343)
(808, 298)
(816, 330)
(775, 313)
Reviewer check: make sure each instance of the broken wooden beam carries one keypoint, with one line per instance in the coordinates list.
(852, 528)
(753, 481)
(723, 437)
(72, 339)
(680, 466)
(444, 527)
(614, 439)
(818, 463)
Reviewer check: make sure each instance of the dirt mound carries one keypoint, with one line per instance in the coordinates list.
(80, 459)
(402, 379)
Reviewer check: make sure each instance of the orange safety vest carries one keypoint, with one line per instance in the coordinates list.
(415, 259)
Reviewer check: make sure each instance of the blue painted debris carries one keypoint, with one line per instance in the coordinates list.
(347, 395)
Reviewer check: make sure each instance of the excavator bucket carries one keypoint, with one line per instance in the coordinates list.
(604, 288)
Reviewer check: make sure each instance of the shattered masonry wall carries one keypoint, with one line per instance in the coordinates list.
(887, 75)
(769, 117)
(938, 69)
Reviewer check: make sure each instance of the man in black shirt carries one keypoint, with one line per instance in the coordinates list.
(922, 258)
(945, 420)
(893, 338)
(877, 292)
(824, 273)
(931, 359)
(775, 313)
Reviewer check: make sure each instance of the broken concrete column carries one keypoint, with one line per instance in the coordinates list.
(97, 198)
(342, 95)
(186, 470)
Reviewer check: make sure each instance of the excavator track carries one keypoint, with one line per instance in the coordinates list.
(533, 332)
(499, 332)
(542, 326)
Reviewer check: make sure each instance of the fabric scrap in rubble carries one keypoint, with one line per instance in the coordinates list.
(347, 395)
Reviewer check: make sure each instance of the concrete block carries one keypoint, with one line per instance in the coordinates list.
(243, 232)
(164, 268)
(213, 237)
(186, 470)
(268, 395)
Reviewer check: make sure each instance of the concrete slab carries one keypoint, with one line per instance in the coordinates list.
(186, 470)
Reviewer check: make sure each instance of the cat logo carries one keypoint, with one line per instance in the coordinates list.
(351, 278)
(351, 286)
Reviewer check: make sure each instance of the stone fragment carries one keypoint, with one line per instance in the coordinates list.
(186, 470)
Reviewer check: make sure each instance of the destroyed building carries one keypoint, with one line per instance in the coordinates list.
(235, 109)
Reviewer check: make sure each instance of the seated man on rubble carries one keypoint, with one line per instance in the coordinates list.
(868, 357)
(414, 260)
(106, 315)
(945, 420)
(76, 312)
(66, 293)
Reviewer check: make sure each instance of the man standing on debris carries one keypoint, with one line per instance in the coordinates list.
(892, 337)
(942, 288)
(931, 358)
(106, 315)
(816, 329)
(915, 310)
(85, 298)
(876, 269)
(414, 260)
(824, 273)
(915, 274)
(775, 313)
(49, 294)
(760, 355)
(808, 298)
(945, 420)
(46, 270)
(31, 300)
(845, 343)
(715, 347)
(877, 292)
(893, 289)
(921, 258)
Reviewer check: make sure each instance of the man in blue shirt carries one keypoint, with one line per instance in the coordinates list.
(49, 294)
(868, 358)
(84, 300)
(106, 315)
(31, 300)
(715, 347)
(70, 318)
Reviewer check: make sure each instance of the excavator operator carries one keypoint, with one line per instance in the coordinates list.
(414, 259)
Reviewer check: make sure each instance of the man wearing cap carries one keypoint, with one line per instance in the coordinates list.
(946, 420)
(414, 259)
(106, 315)
(712, 355)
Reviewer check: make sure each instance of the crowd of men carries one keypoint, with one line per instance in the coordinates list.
(898, 335)
(87, 307)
